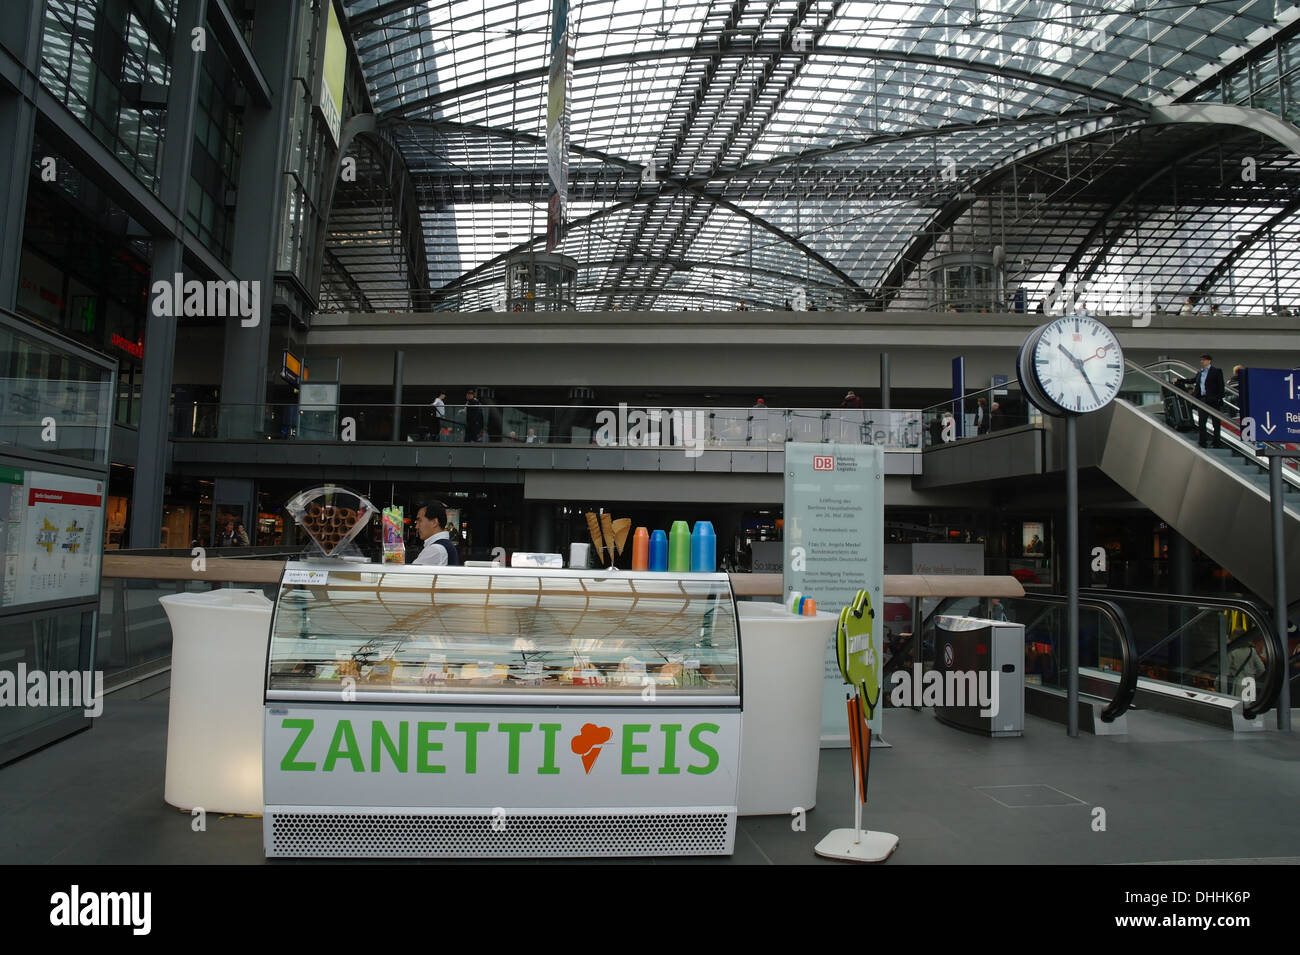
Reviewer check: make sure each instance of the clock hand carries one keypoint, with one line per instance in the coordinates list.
(1070, 355)
(1083, 371)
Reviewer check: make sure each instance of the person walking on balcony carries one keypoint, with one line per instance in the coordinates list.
(851, 400)
(1207, 385)
(982, 418)
(473, 417)
(439, 413)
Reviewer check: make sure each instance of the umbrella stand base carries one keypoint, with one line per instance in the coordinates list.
(858, 845)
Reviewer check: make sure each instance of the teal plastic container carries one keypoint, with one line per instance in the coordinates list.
(704, 548)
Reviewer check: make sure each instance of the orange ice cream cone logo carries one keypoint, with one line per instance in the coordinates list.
(587, 743)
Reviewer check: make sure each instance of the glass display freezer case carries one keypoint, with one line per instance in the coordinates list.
(454, 711)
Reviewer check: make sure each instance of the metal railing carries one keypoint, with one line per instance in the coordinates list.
(567, 425)
(134, 638)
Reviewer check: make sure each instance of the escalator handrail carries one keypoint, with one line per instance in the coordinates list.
(1276, 665)
(1186, 370)
(1126, 689)
(1229, 433)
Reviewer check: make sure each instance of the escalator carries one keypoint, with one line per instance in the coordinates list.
(1108, 668)
(1196, 656)
(1218, 498)
(1214, 660)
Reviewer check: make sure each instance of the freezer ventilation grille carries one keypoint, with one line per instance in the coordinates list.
(372, 835)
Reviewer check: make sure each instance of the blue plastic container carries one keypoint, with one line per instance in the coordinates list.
(704, 548)
(658, 550)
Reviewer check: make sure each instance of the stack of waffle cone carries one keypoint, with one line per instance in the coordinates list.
(328, 525)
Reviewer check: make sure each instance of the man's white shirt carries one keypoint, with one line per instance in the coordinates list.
(432, 553)
(439, 407)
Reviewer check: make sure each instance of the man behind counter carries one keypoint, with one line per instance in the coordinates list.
(431, 524)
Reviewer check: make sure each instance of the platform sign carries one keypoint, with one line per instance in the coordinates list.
(834, 546)
(1271, 396)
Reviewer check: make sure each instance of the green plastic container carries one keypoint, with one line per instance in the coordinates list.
(679, 547)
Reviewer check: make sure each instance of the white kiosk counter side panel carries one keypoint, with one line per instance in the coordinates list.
(435, 711)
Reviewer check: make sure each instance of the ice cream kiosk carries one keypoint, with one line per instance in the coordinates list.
(500, 712)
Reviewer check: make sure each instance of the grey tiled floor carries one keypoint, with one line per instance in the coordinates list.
(1171, 791)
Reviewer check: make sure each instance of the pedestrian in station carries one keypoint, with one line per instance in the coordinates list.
(439, 413)
(473, 417)
(1207, 385)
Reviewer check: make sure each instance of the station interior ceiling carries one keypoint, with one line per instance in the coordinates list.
(727, 154)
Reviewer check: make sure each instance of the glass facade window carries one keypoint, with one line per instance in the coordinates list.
(1291, 92)
(39, 381)
(108, 62)
(214, 166)
(310, 152)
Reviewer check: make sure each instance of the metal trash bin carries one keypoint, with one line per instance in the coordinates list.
(982, 663)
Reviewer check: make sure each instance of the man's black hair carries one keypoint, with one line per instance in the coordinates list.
(433, 508)
(1207, 358)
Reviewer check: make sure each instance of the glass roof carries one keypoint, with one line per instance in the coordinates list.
(726, 151)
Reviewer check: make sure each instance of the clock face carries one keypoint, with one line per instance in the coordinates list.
(1077, 364)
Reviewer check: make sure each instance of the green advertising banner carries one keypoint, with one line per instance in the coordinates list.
(834, 547)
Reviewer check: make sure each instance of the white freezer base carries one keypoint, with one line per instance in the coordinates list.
(385, 832)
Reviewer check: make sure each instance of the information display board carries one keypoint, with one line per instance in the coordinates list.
(1271, 396)
(834, 547)
(50, 536)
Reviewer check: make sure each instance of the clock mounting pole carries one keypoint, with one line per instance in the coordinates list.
(1072, 570)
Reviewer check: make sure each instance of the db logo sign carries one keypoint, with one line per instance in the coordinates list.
(823, 462)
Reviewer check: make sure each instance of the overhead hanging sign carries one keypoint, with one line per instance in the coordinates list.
(333, 74)
(557, 123)
(834, 547)
(1271, 396)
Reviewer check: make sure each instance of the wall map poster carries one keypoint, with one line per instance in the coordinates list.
(51, 538)
(834, 547)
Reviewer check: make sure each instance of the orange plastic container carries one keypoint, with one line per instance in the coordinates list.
(641, 549)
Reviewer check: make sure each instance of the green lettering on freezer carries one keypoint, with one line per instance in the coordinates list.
(352, 753)
(397, 751)
(304, 727)
(471, 731)
(424, 746)
(514, 730)
(703, 748)
(630, 748)
(548, 767)
(670, 731)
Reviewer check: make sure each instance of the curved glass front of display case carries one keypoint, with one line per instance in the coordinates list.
(370, 632)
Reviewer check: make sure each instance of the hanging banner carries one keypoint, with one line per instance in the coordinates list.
(333, 74)
(834, 547)
(557, 124)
